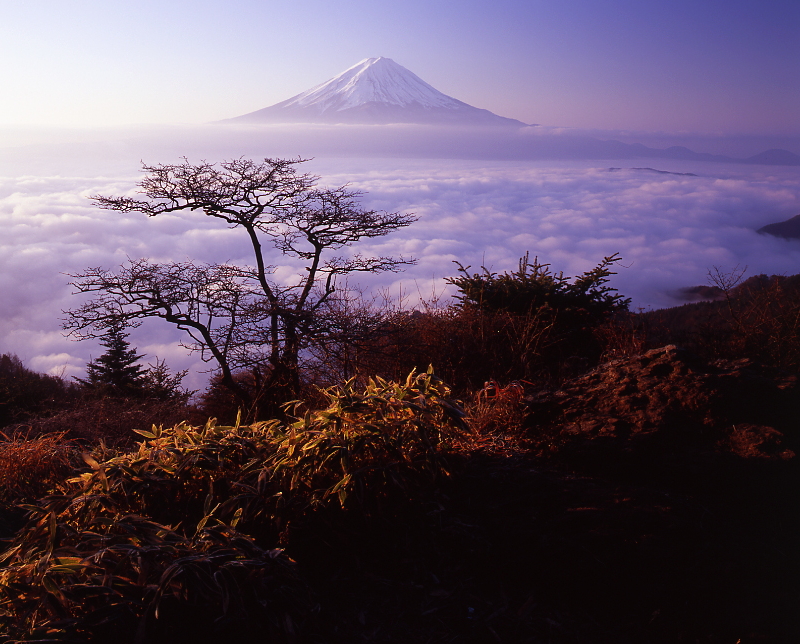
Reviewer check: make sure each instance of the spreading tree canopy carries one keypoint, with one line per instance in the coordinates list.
(241, 317)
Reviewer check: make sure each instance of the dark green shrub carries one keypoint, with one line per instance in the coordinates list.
(546, 320)
(530, 324)
(533, 288)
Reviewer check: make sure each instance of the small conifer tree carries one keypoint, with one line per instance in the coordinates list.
(115, 372)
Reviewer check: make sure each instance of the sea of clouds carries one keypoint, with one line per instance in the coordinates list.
(671, 221)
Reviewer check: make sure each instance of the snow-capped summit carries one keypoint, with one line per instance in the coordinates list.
(373, 80)
(376, 90)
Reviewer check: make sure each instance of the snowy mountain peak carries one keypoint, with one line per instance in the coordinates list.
(375, 90)
(373, 80)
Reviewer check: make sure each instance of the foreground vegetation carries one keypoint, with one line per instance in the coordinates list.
(149, 538)
(396, 509)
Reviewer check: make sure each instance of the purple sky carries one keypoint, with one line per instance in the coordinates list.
(709, 66)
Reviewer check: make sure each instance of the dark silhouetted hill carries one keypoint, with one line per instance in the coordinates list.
(789, 229)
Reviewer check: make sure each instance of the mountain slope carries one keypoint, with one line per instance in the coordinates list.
(789, 229)
(375, 91)
(775, 156)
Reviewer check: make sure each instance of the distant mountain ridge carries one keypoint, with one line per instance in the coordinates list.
(774, 156)
(768, 157)
(789, 229)
(375, 91)
(379, 91)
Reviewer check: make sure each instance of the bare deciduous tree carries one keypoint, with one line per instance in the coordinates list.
(238, 316)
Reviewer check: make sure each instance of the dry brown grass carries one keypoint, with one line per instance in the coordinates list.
(466, 346)
(621, 336)
(500, 416)
(496, 417)
(111, 420)
(31, 467)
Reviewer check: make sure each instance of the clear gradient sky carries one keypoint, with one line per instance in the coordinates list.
(711, 66)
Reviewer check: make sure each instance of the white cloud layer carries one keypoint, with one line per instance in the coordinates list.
(669, 228)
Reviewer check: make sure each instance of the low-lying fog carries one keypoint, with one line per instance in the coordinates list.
(482, 199)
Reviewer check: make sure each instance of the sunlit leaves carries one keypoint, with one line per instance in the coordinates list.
(169, 524)
(386, 440)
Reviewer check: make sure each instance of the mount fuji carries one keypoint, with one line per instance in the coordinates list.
(375, 91)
